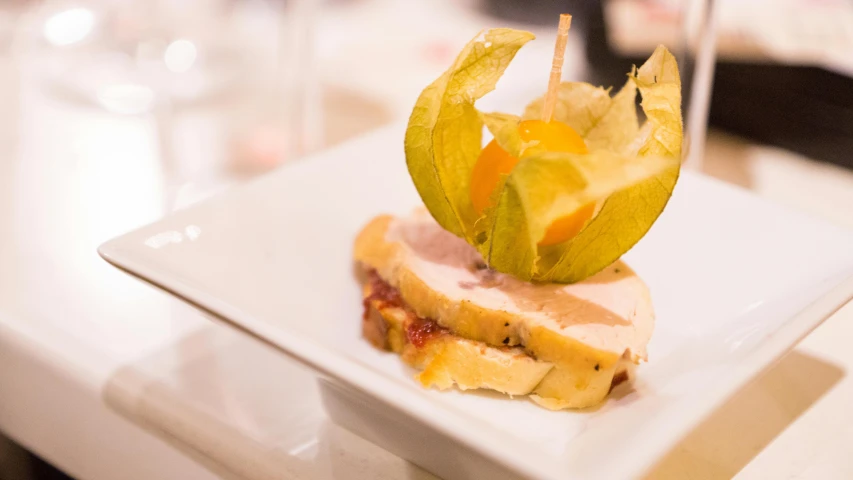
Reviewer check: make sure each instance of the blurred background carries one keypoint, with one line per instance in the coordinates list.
(115, 112)
(189, 96)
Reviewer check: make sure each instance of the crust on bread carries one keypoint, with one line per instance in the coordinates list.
(578, 374)
(448, 359)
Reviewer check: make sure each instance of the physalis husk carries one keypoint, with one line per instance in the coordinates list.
(627, 174)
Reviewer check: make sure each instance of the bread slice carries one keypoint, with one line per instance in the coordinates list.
(585, 333)
(445, 359)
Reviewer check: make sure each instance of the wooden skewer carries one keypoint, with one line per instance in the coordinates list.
(556, 67)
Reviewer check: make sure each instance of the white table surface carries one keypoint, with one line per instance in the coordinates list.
(109, 378)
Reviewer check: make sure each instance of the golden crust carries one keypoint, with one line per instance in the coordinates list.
(577, 375)
(448, 359)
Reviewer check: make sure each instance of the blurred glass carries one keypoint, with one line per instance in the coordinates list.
(126, 56)
(282, 119)
(246, 62)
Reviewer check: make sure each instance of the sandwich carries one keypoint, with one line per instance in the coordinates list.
(429, 297)
(510, 278)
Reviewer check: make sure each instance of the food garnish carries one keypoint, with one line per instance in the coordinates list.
(562, 191)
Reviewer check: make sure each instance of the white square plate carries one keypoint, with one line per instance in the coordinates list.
(735, 281)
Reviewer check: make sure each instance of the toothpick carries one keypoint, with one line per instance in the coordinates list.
(556, 67)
